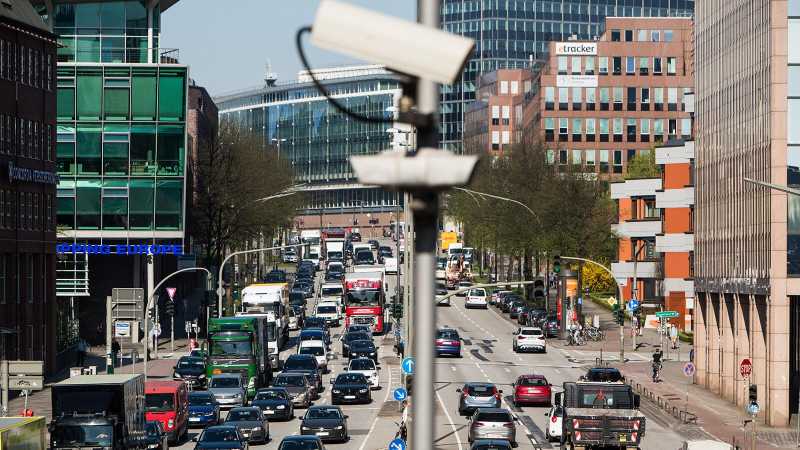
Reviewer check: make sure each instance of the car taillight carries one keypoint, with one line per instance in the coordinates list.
(439, 342)
(634, 436)
(509, 425)
(635, 424)
(553, 418)
(464, 393)
(479, 424)
(520, 337)
(575, 423)
(578, 436)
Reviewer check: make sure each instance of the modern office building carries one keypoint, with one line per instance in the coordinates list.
(747, 237)
(30, 321)
(511, 34)
(318, 140)
(121, 143)
(654, 255)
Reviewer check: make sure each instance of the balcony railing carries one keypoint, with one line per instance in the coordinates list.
(134, 55)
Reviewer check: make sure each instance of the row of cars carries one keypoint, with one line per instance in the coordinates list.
(517, 309)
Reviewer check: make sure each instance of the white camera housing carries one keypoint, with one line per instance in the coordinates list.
(404, 46)
(430, 169)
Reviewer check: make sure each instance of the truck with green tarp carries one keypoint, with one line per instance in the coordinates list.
(238, 345)
(22, 433)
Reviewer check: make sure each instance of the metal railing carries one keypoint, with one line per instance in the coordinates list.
(121, 55)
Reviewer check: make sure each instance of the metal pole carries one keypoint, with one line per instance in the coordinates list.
(172, 332)
(150, 290)
(158, 324)
(4, 381)
(425, 207)
(109, 326)
(635, 289)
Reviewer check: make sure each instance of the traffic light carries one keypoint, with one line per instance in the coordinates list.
(752, 393)
(556, 264)
(210, 302)
(169, 308)
(538, 289)
(621, 316)
(397, 310)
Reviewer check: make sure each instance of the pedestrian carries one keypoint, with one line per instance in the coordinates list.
(82, 348)
(635, 323)
(101, 336)
(673, 336)
(691, 354)
(115, 351)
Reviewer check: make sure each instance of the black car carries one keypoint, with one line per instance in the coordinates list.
(306, 287)
(275, 276)
(363, 348)
(360, 329)
(350, 337)
(274, 402)
(301, 443)
(191, 370)
(297, 297)
(315, 322)
(221, 436)
(326, 422)
(603, 374)
(305, 364)
(154, 435)
(364, 257)
(350, 388)
(300, 313)
(491, 444)
(373, 244)
(537, 317)
(355, 237)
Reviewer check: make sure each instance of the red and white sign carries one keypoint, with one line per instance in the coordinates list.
(745, 368)
(171, 292)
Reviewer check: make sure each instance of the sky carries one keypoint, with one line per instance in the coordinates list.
(227, 43)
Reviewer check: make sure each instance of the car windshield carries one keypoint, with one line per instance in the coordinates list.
(190, 364)
(611, 375)
(311, 336)
(91, 435)
(358, 329)
(201, 399)
(271, 395)
(481, 390)
(362, 345)
(159, 402)
(327, 309)
(491, 447)
(312, 350)
(231, 349)
(331, 291)
(477, 292)
(363, 297)
(225, 382)
(219, 435)
(447, 334)
(350, 378)
(365, 258)
(290, 381)
(299, 445)
(532, 382)
(315, 322)
(362, 364)
(350, 337)
(493, 417)
(324, 413)
(300, 364)
(531, 332)
(242, 414)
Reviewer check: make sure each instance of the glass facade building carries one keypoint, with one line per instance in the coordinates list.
(511, 34)
(316, 138)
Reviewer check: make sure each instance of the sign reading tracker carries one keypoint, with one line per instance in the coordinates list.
(576, 48)
(745, 368)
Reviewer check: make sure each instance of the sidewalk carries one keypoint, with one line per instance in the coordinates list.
(712, 414)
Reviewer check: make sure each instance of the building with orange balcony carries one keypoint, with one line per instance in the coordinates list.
(656, 241)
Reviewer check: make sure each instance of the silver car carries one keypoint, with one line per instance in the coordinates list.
(229, 389)
(478, 395)
(493, 423)
(251, 422)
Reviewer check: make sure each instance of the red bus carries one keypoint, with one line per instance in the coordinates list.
(365, 300)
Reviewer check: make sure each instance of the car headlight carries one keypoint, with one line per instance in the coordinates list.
(372, 353)
(303, 427)
(237, 395)
(281, 407)
(176, 375)
(154, 446)
(336, 391)
(339, 427)
(201, 376)
(362, 391)
(209, 413)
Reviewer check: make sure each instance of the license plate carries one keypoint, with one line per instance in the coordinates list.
(623, 438)
(349, 397)
(269, 411)
(322, 433)
(194, 419)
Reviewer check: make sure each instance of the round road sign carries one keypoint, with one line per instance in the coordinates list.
(400, 394)
(688, 369)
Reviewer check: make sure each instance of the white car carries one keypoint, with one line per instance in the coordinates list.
(476, 298)
(554, 422)
(318, 349)
(330, 311)
(366, 367)
(462, 285)
(294, 321)
(529, 339)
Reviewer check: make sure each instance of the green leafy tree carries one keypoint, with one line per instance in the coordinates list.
(643, 165)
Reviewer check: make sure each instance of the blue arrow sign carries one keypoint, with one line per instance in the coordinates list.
(400, 394)
(397, 444)
(408, 365)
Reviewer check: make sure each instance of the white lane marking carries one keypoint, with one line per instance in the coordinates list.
(449, 419)
(557, 371)
(453, 368)
(375, 421)
(507, 370)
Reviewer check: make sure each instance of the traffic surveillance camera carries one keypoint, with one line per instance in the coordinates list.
(401, 45)
(423, 171)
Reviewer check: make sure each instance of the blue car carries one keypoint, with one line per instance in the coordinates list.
(448, 342)
(203, 409)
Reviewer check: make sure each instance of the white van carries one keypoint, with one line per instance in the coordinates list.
(390, 265)
(330, 311)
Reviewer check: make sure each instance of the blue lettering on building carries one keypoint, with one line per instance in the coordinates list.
(106, 249)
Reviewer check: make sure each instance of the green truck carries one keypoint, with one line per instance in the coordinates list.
(239, 345)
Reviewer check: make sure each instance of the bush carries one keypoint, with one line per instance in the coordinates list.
(597, 280)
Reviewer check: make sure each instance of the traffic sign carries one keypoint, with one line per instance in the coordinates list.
(220, 290)
(397, 444)
(667, 314)
(171, 292)
(400, 394)
(122, 329)
(688, 369)
(408, 365)
(633, 304)
(745, 368)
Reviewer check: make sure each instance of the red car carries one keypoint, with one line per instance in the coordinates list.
(530, 389)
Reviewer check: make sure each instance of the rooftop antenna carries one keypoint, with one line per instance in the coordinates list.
(270, 77)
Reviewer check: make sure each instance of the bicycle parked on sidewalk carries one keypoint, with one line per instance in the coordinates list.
(593, 334)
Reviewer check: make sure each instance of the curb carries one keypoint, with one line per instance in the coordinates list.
(666, 404)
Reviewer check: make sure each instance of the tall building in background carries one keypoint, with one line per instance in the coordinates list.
(747, 237)
(33, 325)
(511, 34)
(318, 140)
(120, 149)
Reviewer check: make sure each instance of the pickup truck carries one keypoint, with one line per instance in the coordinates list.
(600, 414)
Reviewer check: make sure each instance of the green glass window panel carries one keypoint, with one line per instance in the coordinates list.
(66, 103)
(65, 212)
(87, 49)
(136, 50)
(143, 95)
(143, 150)
(170, 150)
(115, 213)
(113, 49)
(112, 17)
(89, 94)
(135, 18)
(169, 200)
(115, 158)
(116, 128)
(171, 100)
(141, 195)
(89, 143)
(65, 156)
(64, 18)
(66, 51)
(116, 103)
(87, 205)
(87, 18)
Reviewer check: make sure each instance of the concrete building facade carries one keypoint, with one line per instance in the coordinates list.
(747, 236)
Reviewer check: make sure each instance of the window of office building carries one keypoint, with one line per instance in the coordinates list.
(65, 100)
(589, 155)
(589, 65)
(603, 161)
(793, 117)
(576, 65)
(506, 115)
(616, 36)
(89, 148)
(617, 129)
(631, 97)
(562, 65)
(143, 98)
(630, 65)
(577, 98)
(617, 64)
(116, 98)
(672, 99)
(668, 34)
(169, 195)
(686, 128)
(630, 130)
(657, 65)
(143, 150)
(549, 98)
(89, 91)
(628, 35)
(658, 130)
(590, 129)
(142, 203)
(87, 204)
(658, 99)
(563, 98)
(602, 64)
(495, 114)
(604, 99)
(115, 205)
(171, 100)
(65, 150)
(672, 65)
(642, 35)
(655, 35)
(603, 130)
(116, 144)
(590, 98)
(644, 130)
(645, 100)
(65, 211)
(618, 99)
(644, 65)
(577, 127)
(514, 87)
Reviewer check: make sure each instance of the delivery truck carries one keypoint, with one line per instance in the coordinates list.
(98, 411)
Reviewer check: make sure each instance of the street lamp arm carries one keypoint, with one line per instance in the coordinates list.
(511, 200)
(777, 187)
